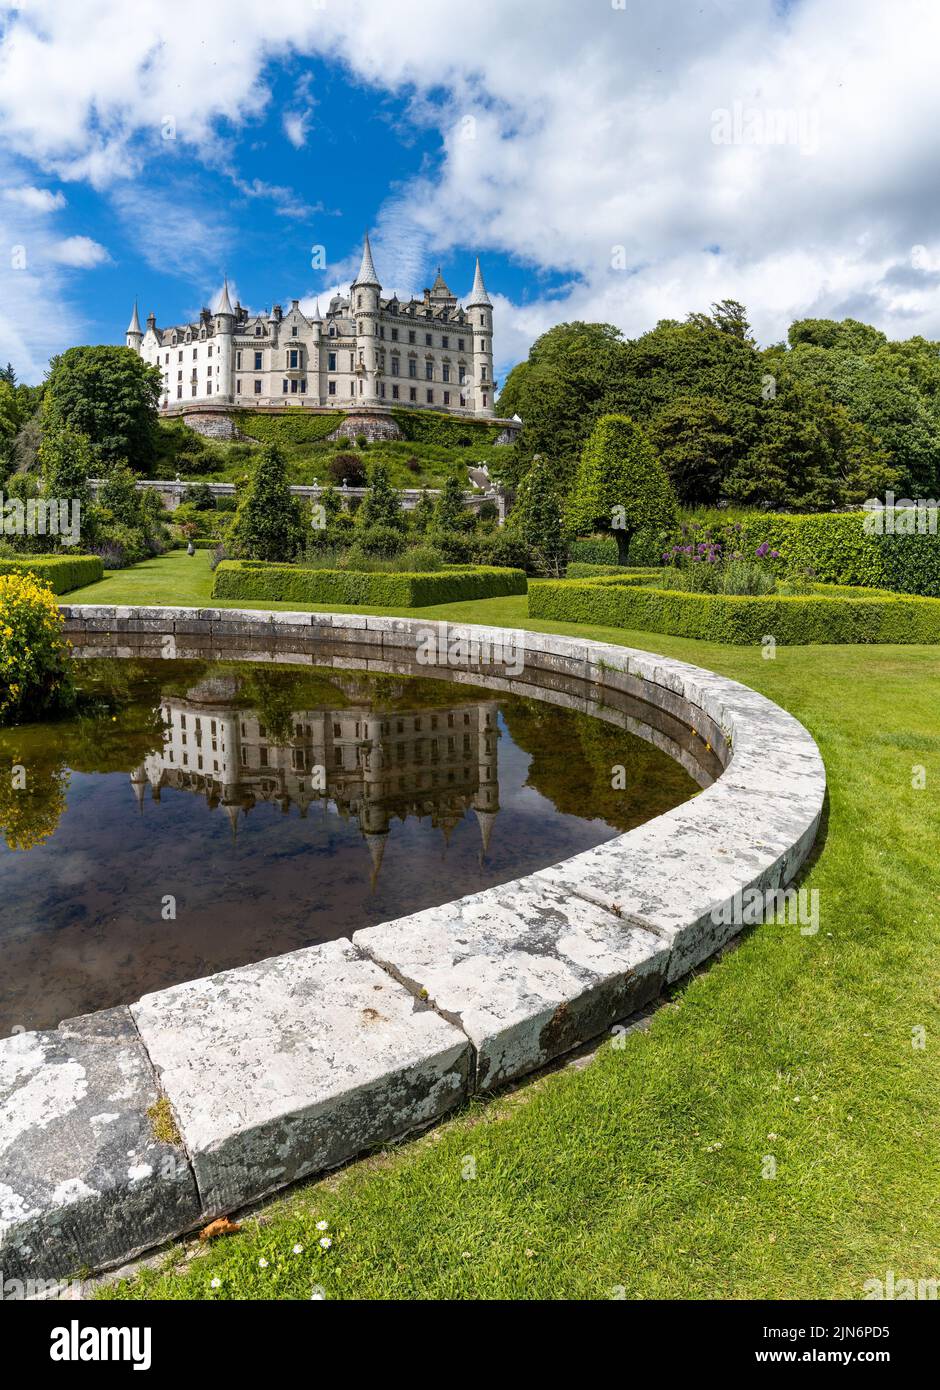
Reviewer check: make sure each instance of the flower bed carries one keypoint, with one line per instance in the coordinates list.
(831, 613)
(273, 583)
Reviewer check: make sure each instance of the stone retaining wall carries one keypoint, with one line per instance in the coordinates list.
(291, 1066)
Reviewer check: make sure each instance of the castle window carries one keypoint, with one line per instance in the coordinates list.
(238, 387)
(209, 388)
(411, 335)
(331, 389)
(258, 330)
(202, 333)
(292, 355)
(430, 398)
(293, 331)
(394, 335)
(412, 393)
(482, 373)
(352, 388)
(358, 301)
(429, 371)
(166, 357)
(284, 386)
(332, 330)
(381, 331)
(293, 386)
(195, 353)
(179, 392)
(179, 355)
(460, 343)
(238, 360)
(429, 339)
(445, 342)
(382, 389)
(463, 399)
(412, 367)
(257, 361)
(210, 350)
(257, 388)
(463, 376)
(394, 393)
(396, 363)
(179, 376)
(208, 371)
(193, 391)
(445, 372)
(331, 357)
(447, 398)
(484, 400)
(173, 340)
(303, 386)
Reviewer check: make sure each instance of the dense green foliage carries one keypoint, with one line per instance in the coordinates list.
(296, 583)
(837, 415)
(109, 394)
(621, 487)
(267, 523)
(433, 427)
(60, 572)
(824, 617)
(292, 427)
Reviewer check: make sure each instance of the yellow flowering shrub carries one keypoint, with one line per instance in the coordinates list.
(35, 672)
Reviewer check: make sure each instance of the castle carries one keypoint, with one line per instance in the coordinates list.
(429, 353)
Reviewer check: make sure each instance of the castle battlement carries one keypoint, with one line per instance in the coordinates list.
(431, 353)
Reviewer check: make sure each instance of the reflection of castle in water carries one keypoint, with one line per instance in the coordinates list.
(431, 763)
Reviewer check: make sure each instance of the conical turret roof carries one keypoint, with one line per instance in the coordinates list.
(478, 294)
(224, 305)
(134, 325)
(367, 275)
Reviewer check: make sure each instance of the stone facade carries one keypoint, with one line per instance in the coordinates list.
(367, 351)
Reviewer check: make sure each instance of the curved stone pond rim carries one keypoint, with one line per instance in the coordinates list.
(283, 1069)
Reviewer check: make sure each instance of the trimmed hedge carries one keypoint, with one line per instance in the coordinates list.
(63, 572)
(294, 426)
(832, 615)
(259, 581)
(835, 547)
(594, 550)
(578, 570)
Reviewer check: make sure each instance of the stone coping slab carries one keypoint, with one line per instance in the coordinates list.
(293, 1065)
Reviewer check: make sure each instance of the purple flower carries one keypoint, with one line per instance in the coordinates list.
(762, 550)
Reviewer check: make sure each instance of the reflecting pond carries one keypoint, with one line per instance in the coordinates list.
(198, 816)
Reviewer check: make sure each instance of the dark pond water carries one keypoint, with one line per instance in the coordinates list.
(199, 816)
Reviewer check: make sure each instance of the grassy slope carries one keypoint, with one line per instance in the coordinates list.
(643, 1170)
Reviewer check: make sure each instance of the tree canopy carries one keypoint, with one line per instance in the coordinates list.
(109, 394)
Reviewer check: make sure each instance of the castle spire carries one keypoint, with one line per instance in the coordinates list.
(367, 275)
(224, 305)
(478, 294)
(316, 314)
(134, 325)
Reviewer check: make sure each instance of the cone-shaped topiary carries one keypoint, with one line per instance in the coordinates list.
(621, 486)
(382, 506)
(267, 523)
(536, 517)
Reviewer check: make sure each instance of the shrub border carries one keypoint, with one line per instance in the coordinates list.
(63, 572)
(272, 583)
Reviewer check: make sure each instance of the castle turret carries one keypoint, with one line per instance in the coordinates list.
(134, 335)
(225, 334)
(480, 316)
(364, 307)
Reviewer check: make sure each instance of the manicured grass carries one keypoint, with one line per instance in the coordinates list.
(643, 1171)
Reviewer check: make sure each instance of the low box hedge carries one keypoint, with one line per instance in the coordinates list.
(63, 572)
(260, 581)
(836, 615)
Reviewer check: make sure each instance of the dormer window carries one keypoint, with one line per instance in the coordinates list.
(293, 331)
(258, 330)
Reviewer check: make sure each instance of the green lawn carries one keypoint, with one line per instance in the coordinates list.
(642, 1172)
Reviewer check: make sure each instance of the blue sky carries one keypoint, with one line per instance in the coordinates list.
(607, 160)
